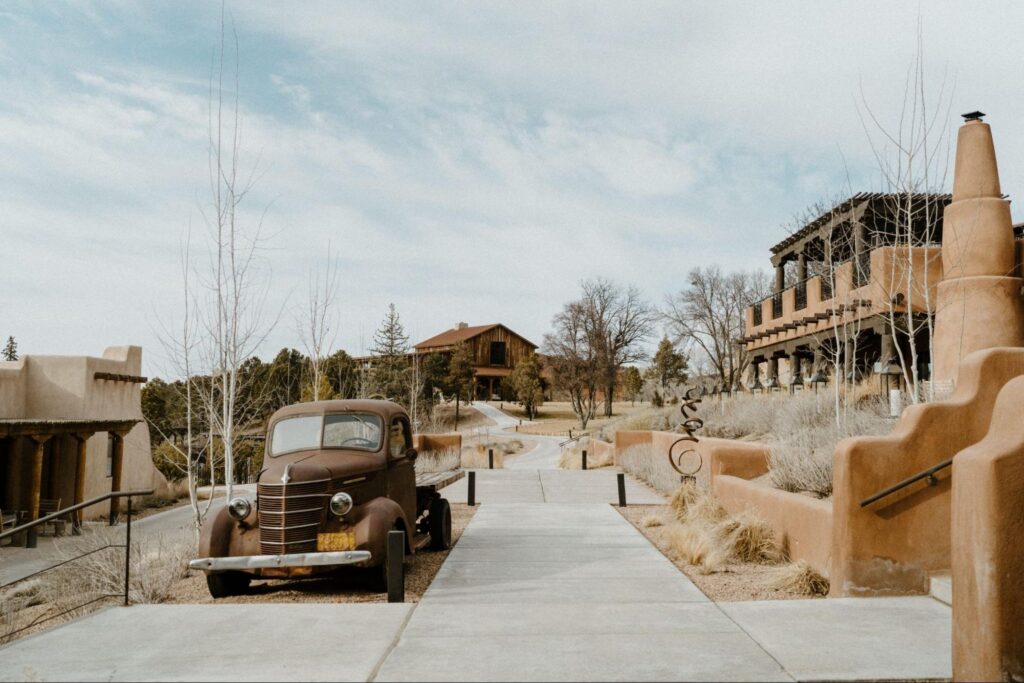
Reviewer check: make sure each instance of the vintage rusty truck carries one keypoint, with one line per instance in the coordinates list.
(337, 477)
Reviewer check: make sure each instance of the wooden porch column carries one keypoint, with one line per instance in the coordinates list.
(117, 469)
(83, 442)
(13, 466)
(35, 488)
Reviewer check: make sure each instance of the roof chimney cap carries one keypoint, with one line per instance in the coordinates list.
(973, 116)
(461, 326)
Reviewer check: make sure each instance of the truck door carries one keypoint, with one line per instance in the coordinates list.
(402, 471)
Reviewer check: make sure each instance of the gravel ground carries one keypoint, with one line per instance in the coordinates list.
(737, 582)
(349, 585)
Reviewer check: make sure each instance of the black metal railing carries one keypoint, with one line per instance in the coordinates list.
(758, 314)
(928, 474)
(30, 527)
(827, 286)
(801, 295)
(776, 305)
(862, 269)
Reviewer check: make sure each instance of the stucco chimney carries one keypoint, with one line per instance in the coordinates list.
(461, 326)
(979, 303)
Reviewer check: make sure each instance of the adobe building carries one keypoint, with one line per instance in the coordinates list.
(839, 282)
(71, 428)
(496, 352)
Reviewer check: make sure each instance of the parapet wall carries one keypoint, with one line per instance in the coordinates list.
(802, 525)
(987, 561)
(891, 546)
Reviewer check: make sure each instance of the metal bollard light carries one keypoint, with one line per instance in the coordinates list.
(622, 489)
(584, 459)
(490, 458)
(471, 486)
(396, 566)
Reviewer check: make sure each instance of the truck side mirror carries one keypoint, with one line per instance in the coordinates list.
(411, 454)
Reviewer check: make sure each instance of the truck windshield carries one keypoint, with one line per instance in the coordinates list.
(352, 430)
(360, 431)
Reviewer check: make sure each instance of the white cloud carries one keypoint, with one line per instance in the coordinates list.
(470, 163)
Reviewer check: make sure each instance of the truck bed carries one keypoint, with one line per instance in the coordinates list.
(438, 480)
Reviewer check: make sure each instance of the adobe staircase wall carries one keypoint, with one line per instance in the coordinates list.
(891, 546)
(988, 556)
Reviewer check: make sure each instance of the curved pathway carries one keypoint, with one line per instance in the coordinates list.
(546, 451)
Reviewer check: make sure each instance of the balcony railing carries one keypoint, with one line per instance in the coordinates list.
(801, 295)
(862, 269)
(827, 286)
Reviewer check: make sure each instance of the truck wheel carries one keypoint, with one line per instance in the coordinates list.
(226, 584)
(440, 519)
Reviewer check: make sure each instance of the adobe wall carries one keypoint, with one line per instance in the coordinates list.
(802, 525)
(988, 558)
(891, 546)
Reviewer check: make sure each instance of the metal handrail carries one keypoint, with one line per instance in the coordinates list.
(928, 474)
(73, 508)
(127, 545)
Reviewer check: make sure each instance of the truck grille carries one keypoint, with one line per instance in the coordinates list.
(289, 516)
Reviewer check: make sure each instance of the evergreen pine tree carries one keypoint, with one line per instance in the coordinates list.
(390, 364)
(10, 351)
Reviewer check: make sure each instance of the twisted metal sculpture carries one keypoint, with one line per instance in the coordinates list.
(688, 461)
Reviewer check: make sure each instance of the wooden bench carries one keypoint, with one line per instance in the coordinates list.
(47, 506)
(8, 520)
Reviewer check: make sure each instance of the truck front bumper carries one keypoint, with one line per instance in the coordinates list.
(325, 559)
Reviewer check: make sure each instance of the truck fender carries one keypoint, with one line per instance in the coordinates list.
(221, 536)
(371, 523)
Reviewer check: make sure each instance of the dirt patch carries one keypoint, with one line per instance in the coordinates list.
(349, 585)
(736, 581)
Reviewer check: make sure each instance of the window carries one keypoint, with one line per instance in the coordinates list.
(360, 431)
(398, 442)
(497, 353)
(110, 455)
(296, 434)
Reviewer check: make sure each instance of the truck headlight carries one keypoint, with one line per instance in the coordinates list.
(341, 504)
(239, 508)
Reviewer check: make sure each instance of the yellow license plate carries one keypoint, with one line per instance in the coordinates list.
(345, 540)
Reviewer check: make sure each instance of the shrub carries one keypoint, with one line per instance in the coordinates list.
(651, 521)
(705, 536)
(641, 462)
(800, 578)
(572, 458)
(442, 460)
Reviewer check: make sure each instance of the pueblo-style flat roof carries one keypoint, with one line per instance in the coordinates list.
(461, 334)
(37, 427)
(839, 212)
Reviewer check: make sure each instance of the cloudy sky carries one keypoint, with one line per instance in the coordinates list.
(466, 161)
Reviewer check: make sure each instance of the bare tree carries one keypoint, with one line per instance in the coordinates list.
(708, 314)
(913, 160)
(180, 347)
(234, 322)
(316, 325)
(575, 359)
(618, 320)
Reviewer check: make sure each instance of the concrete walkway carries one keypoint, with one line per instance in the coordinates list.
(548, 582)
(546, 451)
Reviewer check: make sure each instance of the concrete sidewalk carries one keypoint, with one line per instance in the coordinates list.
(574, 592)
(534, 590)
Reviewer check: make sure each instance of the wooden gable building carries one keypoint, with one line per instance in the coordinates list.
(496, 352)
